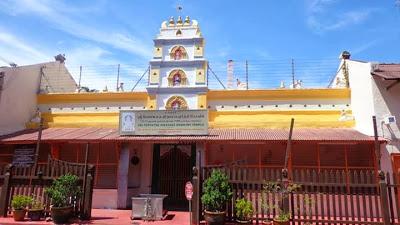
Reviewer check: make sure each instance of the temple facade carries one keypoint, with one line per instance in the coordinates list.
(247, 128)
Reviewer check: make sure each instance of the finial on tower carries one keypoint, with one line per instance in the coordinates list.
(187, 21)
(179, 21)
(171, 21)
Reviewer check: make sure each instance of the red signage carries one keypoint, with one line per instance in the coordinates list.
(188, 190)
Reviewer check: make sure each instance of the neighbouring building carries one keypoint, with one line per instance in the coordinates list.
(19, 87)
(375, 91)
(249, 128)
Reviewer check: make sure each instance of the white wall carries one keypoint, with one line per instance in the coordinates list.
(140, 176)
(191, 100)
(361, 95)
(18, 96)
(387, 103)
(369, 97)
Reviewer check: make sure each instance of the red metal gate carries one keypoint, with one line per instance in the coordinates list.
(174, 171)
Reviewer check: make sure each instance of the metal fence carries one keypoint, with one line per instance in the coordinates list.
(324, 197)
(233, 74)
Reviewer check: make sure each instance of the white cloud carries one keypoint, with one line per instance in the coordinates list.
(60, 19)
(321, 19)
(314, 6)
(13, 49)
(364, 47)
(100, 68)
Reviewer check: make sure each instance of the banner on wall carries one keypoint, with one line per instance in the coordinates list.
(24, 156)
(163, 122)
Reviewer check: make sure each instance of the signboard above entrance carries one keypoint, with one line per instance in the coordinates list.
(163, 122)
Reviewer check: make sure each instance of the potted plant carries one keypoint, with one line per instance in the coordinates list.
(267, 208)
(63, 194)
(244, 211)
(308, 203)
(282, 218)
(19, 204)
(281, 190)
(35, 211)
(216, 193)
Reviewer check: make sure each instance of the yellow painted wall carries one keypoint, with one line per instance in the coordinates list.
(202, 101)
(200, 76)
(217, 119)
(276, 119)
(101, 120)
(222, 119)
(151, 102)
(157, 52)
(91, 97)
(154, 76)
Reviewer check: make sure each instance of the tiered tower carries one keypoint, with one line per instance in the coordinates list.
(177, 78)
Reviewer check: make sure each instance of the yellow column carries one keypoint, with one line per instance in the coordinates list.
(151, 102)
(202, 101)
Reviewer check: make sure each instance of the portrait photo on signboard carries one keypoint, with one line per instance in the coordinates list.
(127, 122)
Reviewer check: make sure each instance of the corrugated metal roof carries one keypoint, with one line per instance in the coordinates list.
(215, 135)
(387, 71)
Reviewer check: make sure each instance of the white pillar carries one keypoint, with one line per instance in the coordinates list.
(123, 168)
(146, 168)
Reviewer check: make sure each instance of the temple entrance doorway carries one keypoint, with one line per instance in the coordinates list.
(172, 168)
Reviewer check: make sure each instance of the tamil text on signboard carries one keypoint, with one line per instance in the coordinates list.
(163, 122)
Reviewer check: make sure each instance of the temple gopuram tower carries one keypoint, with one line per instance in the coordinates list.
(177, 78)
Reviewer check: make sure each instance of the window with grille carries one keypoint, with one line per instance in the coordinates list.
(104, 156)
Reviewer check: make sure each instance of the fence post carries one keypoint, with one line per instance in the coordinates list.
(86, 212)
(384, 198)
(196, 197)
(5, 191)
(285, 197)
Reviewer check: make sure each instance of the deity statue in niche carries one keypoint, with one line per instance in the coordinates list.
(175, 105)
(178, 54)
(176, 79)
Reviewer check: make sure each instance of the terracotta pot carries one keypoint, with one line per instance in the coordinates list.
(35, 214)
(61, 215)
(267, 222)
(243, 221)
(278, 222)
(19, 214)
(214, 218)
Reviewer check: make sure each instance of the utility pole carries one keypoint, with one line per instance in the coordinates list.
(247, 75)
(293, 72)
(80, 77)
(118, 78)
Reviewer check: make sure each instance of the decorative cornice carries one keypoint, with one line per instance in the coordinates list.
(178, 63)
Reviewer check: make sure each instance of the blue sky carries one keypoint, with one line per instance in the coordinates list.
(112, 32)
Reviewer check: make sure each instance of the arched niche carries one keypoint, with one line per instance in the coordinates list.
(177, 78)
(176, 103)
(178, 53)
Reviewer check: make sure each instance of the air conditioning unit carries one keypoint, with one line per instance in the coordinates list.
(389, 119)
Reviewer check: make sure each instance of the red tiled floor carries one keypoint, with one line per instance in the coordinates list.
(118, 217)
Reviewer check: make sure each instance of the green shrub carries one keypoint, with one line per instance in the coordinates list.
(244, 209)
(282, 217)
(21, 202)
(216, 191)
(64, 191)
(281, 191)
(36, 205)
